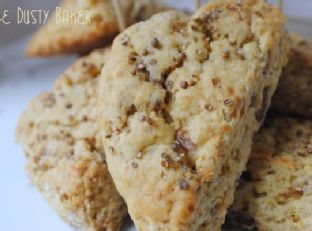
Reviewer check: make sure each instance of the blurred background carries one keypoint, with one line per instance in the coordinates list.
(21, 206)
(296, 9)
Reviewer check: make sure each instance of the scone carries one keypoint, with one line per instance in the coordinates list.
(179, 101)
(276, 192)
(294, 92)
(94, 24)
(65, 158)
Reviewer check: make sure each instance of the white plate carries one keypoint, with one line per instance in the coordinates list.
(21, 206)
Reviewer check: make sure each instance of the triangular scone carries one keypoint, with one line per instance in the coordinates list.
(96, 26)
(294, 93)
(179, 101)
(276, 193)
(65, 158)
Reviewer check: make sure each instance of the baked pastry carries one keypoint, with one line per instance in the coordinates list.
(65, 158)
(179, 101)
(294, 92)
(80, 26)
(275, 193)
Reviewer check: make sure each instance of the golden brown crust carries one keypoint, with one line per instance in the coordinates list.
(275, 193)
(179, 102)
(63, 38)
(65, 158)
(294, 93)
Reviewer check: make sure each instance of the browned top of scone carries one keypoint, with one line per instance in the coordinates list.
(294, 93)
(80, 26)
(64, 154)
(172, 98)
(275, 192)
(301, 49)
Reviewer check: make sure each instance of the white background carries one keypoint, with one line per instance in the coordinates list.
(21, 206)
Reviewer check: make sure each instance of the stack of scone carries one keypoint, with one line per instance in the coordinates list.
(162, 123)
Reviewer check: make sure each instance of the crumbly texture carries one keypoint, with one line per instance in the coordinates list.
(63, 37)
(179, 101)
(275, 192)
(65, 158)
(294, 92)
